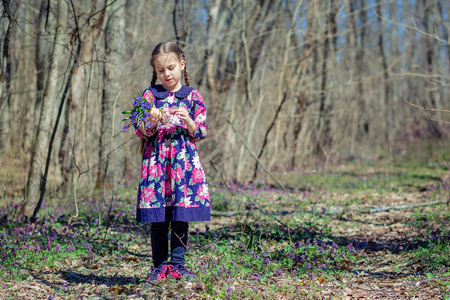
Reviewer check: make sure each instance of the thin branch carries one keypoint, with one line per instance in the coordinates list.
(426, 108)
(268, 131)
(415, 28)
(437, 120)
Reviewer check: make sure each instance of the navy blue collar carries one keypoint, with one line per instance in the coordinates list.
(160, 92)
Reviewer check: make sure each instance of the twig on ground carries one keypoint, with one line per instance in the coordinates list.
(386, 208)
(417, 282)
(330, 212)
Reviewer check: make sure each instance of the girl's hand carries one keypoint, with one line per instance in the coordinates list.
(183, 114)
(155, 116)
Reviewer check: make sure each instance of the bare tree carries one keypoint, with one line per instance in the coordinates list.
(300, 81)
(5, 71)
(51, 90)
(111, 165)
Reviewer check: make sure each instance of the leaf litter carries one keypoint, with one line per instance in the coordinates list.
(384, 263)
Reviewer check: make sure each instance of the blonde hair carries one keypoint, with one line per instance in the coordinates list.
(164, 48)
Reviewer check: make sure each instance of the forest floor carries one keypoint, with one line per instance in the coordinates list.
(315, 238)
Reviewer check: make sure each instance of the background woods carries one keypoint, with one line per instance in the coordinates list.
(291, 81)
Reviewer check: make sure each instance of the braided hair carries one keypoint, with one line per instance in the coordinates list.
(168, 47)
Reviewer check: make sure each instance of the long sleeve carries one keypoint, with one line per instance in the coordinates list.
(198, 115)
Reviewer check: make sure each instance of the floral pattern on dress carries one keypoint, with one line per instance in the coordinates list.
(173, 184)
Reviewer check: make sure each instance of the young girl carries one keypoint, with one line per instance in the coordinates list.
(173, 189)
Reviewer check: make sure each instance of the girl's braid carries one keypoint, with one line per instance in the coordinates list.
(154, 77)
(186, 76)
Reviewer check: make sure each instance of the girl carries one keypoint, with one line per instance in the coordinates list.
(172, 189)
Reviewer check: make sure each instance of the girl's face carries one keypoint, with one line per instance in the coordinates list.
(168, 68)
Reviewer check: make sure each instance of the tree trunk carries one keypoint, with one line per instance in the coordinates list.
(5, 76)
(434, 129)
(29, 73)
(42, 50)
(386, 96)
(301, 102)
(51, 90)
(323, 119)
(111, 166)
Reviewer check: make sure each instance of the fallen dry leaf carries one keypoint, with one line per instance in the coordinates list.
(135, 247)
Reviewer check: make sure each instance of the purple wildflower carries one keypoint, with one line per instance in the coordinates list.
(126, 126)
(334, 246)
(350, 248)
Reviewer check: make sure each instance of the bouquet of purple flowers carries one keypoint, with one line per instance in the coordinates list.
(140, 113)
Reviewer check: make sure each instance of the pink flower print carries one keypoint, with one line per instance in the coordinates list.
(158, 170)
(187, 165)
(144, 172)
(177, 174)
(197, 175)
(186, 191)
(152, 171)
(203, 192)
(170, 128)
(164, 149)
(173, 151)
(168, 188)
(148, 194)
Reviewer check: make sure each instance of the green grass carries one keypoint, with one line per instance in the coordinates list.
(284, 244)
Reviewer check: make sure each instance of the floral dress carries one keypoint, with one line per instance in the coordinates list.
(173, 184)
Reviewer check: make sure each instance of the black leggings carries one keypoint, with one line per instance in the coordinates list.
(160, 242)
